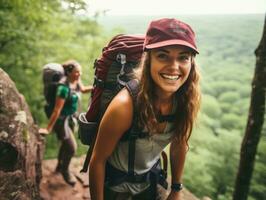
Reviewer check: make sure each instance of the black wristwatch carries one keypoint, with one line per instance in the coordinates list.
(177, 187)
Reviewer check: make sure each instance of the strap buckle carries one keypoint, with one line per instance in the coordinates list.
(98, 82)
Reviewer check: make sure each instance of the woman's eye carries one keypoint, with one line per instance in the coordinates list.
(184, 58)
(162, 56)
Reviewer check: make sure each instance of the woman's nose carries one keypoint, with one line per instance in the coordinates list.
(175, 63)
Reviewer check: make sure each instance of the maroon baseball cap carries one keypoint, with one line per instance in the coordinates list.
(166, 32)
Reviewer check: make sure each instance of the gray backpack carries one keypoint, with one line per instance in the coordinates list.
(53, 74)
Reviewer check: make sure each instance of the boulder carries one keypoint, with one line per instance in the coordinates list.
(21, 147)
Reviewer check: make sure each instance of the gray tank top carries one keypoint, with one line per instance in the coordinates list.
(147, 152)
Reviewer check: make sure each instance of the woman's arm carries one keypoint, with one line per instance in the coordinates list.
(115, 122)
(85, 89)
(177, 160)
(59, 103)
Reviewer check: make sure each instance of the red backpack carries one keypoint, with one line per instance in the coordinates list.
(112, 69)
(112, 72)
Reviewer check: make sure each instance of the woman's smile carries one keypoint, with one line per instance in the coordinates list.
(171, 77)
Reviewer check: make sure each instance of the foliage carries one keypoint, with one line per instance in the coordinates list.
(34, 33)
(211, 107)
(47, 32)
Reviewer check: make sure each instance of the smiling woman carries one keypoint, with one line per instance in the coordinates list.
(163, 112)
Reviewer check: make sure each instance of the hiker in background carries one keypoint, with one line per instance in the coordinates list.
(62, 119)
(166, 106)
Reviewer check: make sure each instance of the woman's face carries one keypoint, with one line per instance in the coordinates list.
(75, 73)
(170, 67)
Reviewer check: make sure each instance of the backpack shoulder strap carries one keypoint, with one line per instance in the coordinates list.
(133, 133)
(133, 88)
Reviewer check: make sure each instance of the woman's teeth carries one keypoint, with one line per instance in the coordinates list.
(170, 77)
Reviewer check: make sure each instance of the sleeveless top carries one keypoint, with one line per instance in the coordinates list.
(147, 152)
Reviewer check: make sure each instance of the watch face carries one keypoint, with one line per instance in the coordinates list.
(177, 186)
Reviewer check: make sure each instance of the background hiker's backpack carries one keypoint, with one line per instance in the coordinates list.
(112, 72)
(52, 74)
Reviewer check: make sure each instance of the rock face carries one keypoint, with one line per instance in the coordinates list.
(21, 148)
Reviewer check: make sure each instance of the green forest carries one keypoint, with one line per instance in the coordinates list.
(34, 33)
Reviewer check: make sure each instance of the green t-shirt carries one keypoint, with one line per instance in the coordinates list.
(71, 103)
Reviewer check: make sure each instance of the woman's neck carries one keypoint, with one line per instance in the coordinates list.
(164, 104)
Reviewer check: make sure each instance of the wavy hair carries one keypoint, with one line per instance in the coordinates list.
(187, 96)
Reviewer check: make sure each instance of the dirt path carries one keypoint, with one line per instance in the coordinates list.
(53, 187)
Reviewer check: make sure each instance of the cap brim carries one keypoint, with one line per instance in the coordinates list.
(171, 42)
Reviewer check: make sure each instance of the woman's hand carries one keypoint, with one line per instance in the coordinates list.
(174, 195)
(43, 131)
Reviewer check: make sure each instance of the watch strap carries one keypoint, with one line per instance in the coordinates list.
(177, 186)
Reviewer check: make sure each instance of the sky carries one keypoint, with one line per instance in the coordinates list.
(164, 7)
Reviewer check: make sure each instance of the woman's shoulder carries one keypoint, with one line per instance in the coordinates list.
(123, 100)
(121, 107)
(63, 86)
(62, 89)
(119, 113)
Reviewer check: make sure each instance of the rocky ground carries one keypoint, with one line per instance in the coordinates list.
(53, 186)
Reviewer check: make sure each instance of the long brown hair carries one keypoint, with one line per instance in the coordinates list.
(187, 97)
